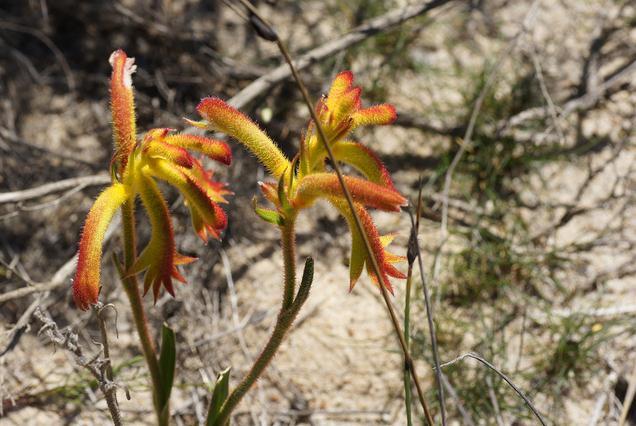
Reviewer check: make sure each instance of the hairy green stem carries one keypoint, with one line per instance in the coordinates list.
(286, 316)
(139, 315)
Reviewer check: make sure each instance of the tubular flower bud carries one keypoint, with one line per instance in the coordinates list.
(86, 281)
(122, 105)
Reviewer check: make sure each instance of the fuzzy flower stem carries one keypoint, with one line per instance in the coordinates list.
(139, 315)
(286, 316)
(288, 240)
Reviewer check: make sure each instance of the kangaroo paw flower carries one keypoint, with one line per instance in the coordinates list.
(163, 155)
(212, 148)
(359, 257)
(341, 112)
(122, 105)
(365, 161)
(307, 178)
(207, 216)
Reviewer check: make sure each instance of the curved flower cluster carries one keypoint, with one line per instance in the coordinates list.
(307, 177)
(163, 155)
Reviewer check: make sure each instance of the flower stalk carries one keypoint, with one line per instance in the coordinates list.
(131, 287)
(291, 305)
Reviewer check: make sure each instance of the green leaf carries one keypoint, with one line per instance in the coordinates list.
(268, 215)
(292, 175)
(167, 361)
(219, 395)
(282, 196)
(305, 282)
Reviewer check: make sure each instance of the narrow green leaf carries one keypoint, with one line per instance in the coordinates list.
(167, 361)
(268, 215)
(294, 166)
(282, 196)
(305, 282)
(219, 395)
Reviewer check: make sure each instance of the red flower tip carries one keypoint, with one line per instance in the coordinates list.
(122, 105)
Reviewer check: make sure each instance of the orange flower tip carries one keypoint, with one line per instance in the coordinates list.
(217, 112)
(210, 103)
(375, 115)
(390, 288)
(394, 272)
(180, 259)
(84, 296)
(119, 59)
(391, 113)
(206, 233)
(177, 276)
(344, 79)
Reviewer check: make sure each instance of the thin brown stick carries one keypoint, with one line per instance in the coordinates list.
(503, 376)
(111, 395)
(53, 187)
(429, 312)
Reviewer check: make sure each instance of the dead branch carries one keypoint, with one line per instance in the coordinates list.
(577, 104)
(53, 187)
(59, 278)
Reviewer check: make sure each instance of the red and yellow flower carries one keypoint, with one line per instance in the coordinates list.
(307, 177)
(161, 154)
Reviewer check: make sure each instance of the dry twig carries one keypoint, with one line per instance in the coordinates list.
(502, 375)
(98, 367)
